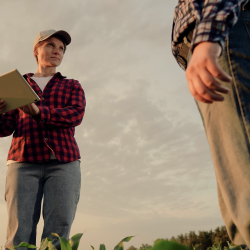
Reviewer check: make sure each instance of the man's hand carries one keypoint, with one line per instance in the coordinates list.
(31, 109)
(202, 71)
(2, 106)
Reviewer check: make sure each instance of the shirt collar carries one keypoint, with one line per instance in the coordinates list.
(58, 74)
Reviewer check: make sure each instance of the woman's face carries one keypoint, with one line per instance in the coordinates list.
(50, 52)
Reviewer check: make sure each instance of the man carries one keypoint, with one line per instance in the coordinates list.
(43, 160)
(211, 41)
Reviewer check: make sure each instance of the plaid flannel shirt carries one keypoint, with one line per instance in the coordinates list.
(211, 20)
(62, 107)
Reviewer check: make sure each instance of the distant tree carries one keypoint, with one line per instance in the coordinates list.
(145, 247)
(197, 247)
(173, 239)
(180, 238)
(193, 239)
(132, 248)
(221, 237)
(202, 241)
(186, 241)
(205, 239)
(159, 239)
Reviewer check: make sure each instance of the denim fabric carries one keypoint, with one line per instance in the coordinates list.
(26, 184)
(227, 126)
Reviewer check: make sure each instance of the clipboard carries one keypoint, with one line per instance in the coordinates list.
(16, 91)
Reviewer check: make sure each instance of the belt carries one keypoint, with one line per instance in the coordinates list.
(246, 6)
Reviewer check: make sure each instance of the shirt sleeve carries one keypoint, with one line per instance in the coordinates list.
(215, 20)
(7, 123)
(69, 116)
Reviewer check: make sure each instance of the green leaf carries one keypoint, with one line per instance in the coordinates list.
(55, 234)
(92, 247)
(102, 247)
(219, 247)
(235, 247)
(51, 246)
(120, 245)
(64, 243)
(24, 244)
(74, 241)
(169, 245)
(46, 244)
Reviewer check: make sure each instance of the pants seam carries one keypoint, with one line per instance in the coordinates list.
(236, 90)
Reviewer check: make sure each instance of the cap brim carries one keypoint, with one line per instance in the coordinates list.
(64, 35)
(60, 33)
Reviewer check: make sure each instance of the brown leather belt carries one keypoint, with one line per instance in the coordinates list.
(246, 6)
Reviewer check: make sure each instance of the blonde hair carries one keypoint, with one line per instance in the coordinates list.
(42, 42)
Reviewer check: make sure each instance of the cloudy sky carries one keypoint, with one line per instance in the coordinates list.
(146, 165)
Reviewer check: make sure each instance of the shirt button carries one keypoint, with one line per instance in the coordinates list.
(46, 139)
(42, 98)
(42, 121)
(40, 92)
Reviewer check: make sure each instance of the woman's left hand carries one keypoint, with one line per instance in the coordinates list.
(30, 109)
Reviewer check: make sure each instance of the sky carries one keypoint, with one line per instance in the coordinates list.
(145, 161)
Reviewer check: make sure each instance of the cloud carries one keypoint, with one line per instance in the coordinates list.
(136, 155)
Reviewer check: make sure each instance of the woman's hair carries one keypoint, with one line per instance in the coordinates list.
(42, 42)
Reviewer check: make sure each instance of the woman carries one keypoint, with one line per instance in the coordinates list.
(43, 160)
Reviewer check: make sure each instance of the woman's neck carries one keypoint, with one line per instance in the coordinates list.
(45, 72)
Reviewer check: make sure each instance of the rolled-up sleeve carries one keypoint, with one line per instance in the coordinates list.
(215, 20)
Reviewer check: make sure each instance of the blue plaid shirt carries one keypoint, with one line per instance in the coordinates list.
(210, 20)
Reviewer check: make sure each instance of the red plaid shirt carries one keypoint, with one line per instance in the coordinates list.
(62, 107)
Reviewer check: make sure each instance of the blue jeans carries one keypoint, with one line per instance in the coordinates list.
(227, 126)
(26, 184)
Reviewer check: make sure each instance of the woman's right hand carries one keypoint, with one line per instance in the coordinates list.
(2, 106)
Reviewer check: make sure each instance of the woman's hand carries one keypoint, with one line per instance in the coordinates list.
(30, 109)
(2, 106)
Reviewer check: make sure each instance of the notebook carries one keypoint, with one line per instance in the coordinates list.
(15, 91)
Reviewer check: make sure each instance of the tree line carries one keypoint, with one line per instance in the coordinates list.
(200, 241)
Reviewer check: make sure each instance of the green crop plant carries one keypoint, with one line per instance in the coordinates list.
(46, 243)
(168, 245)
(72, 244)
(218, 247)
(119, 246)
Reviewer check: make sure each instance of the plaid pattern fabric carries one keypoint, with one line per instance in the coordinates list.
(211, 21)
(62, 107)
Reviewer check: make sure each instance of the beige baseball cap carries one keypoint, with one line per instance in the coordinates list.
(48, 33)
